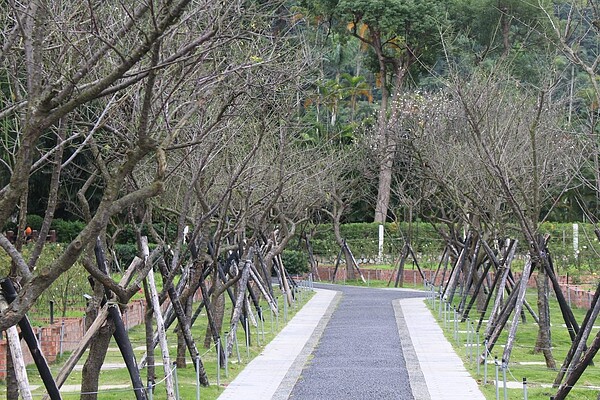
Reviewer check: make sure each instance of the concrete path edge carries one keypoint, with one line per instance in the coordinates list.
(274, 372)
(290, 379)
(417, 380)
(443, 370)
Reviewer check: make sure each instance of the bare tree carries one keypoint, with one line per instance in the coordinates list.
(499, 151)
(124, 102)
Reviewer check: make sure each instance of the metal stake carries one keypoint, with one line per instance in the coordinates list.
(175, 380)
(197, 378)
(218, 361)
(247, 339)
(226, 357)
(485, 361)
(504, 366)
(497, 387)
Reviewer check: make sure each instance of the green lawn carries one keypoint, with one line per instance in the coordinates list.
(186, 377)
(524, 363)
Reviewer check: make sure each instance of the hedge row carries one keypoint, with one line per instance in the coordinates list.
(68, 230)
(363, 239)
(65, 230)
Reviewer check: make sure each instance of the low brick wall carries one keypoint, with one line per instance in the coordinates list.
(575, 295)
(66, 333)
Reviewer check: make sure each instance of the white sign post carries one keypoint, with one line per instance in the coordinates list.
(380, 248)
(576, 241)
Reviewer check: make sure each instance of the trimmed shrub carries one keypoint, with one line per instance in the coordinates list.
(34, 221)
(127, 235)
(125, 252)
(67, 230)
(295, 262)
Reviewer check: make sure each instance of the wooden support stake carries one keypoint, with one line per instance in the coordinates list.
(237, 311)
(355, 264)
(414, 257)
(500, 322)
(120, 333)
(32, 343)
(400, 271)
(443, 261)
(286, 287)
(462, 258)
(337, 264)
(256, 278)
(470, 273)
(76, 354)
(503, 271)
(184, 326)
(476, 290)
(265, 273)
(566, 311)
(211, 321)
(517, 311)
(162, 334)
(14, 343)
(579, 344)
(314, 265)
(578, 370)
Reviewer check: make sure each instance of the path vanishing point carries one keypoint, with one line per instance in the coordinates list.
(358, 343)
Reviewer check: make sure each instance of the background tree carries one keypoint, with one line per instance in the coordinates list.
(402, 37)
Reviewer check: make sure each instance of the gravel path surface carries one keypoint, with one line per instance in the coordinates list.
(359, 355)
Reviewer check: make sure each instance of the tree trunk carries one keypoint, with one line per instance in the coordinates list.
(91, 369)
(12, 388)
(217, 305)
(505, 23)
(457, 271)
(336, 217)
(544, 339)
(400, 274)
(181, 348)
(90, 373)
(385, 182)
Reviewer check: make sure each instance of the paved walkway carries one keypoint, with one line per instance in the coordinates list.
(416, 363)
(286, 354)
(444, 372)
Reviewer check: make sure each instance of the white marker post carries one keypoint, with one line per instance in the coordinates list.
(576, 241)
(380, 248)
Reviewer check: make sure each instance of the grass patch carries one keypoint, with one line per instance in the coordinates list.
(524, 362)
(186, 377)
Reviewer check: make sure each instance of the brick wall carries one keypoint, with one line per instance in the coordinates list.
(575, 295)
(65, 333)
